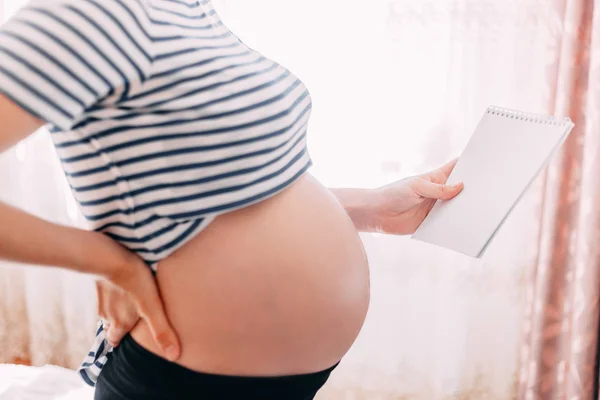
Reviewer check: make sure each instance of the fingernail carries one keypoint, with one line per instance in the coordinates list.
(172, 353)
(457, 185)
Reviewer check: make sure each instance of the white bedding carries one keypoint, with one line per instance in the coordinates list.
(19, 382)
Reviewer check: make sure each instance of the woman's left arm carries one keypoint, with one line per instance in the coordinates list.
(400, 207)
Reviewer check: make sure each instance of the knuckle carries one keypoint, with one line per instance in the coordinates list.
(132, 315)
(418, 186)
(116, 325)
(163, 337)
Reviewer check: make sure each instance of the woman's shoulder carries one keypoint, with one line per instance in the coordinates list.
(59, 57)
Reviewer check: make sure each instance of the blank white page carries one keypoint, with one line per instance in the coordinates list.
(506, 152)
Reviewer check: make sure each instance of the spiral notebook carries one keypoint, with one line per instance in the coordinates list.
(505, 153)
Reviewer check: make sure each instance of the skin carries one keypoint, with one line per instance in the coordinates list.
(326, 255)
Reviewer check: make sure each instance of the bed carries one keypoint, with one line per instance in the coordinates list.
(18, 382)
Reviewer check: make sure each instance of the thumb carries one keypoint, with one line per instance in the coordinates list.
(430, 190)
(164, 335)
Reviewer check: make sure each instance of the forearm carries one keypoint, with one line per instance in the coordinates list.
(361, 205)
(27, 239)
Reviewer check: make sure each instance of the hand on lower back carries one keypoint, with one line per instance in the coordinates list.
(129, 295)
(403, 205)
(118, 310)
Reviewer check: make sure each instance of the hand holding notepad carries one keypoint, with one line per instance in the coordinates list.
(506, 152)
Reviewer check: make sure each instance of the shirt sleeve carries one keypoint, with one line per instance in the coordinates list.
(60, 57)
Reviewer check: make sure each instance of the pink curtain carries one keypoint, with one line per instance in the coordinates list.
(561, 328)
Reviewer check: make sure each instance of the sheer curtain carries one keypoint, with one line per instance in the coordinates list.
(398, 86)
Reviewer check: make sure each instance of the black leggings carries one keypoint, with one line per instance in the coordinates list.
(134, 373)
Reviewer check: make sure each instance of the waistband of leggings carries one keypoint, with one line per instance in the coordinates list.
(146, 359)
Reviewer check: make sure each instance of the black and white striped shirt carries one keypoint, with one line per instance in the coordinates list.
(162, 118)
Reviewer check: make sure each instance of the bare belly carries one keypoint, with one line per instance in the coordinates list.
(277, 288)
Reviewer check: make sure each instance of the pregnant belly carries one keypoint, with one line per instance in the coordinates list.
(277, 288)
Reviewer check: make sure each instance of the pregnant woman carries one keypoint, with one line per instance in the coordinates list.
(225, 271)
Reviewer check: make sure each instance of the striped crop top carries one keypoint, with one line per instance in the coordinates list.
(161, 116)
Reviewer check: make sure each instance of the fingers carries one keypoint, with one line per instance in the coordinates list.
(115, 333)
(139, 283)
(152, 310)
(430, 190)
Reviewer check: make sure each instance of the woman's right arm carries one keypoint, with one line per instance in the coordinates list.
(27, 239)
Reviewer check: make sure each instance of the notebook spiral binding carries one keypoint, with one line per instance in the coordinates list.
(529, 117)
